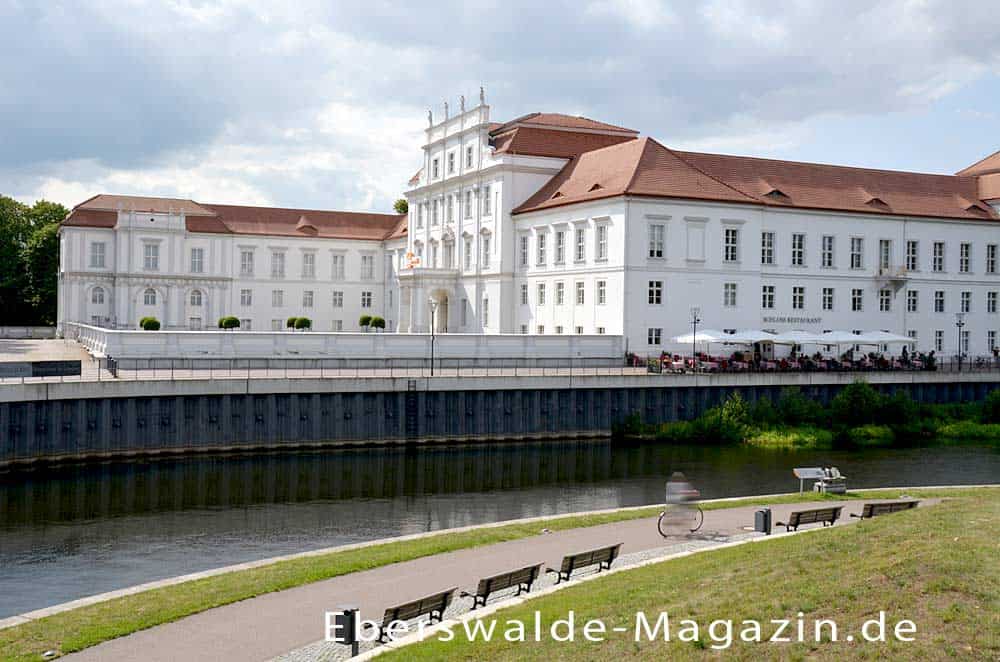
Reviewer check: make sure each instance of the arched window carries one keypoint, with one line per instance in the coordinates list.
(149, 297)
(97, 295)
(195, 297)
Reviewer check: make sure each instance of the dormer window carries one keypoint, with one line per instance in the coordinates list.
(595, 187)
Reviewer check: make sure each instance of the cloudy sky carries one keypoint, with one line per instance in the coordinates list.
(322, 104)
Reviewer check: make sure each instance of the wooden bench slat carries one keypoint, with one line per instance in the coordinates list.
(522, 578)
(812, 516)
(884, 508)
(602, 557)
(431, 605)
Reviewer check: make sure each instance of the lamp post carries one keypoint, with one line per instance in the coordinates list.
(695, 312)
(959, 323)
(433, 304)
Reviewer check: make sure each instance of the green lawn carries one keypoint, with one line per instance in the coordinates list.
(87, 626)
(937, 566)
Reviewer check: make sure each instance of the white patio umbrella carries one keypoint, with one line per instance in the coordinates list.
(703, 336)
(798, 338)
(883, 338)
(838, 338)
(748, 337)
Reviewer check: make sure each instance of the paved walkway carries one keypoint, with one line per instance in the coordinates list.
(274, 624)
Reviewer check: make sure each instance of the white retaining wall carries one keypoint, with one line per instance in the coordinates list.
(27, 332)
(134, 344)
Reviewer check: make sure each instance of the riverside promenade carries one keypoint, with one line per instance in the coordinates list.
(290, 624)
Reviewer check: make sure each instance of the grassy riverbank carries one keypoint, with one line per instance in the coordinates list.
(87, 626)
(858, 417)
(935, 566)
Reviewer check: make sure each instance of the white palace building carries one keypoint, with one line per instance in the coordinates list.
(552, 224)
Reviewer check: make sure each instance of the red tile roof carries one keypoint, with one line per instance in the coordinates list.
(562, 144)
(985, 166)
(101, 211)
(558, 120)
(644, 167)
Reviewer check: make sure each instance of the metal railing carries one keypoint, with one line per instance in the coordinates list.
(949, 364)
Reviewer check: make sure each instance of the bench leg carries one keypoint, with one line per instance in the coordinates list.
(381, 634)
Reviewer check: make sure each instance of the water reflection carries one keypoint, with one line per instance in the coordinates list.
(77, 530)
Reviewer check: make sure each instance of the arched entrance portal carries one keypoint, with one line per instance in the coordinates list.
(440, 297)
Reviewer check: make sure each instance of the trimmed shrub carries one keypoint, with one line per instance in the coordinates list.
(229, 322)
(365, 321)
(150, 324)
(142, 322)
(290, 322)
(303, 323)
(377, 323)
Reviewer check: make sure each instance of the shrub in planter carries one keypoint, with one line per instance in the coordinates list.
(229, 323)
(142, 322)
(377, 323)
(150, 324)
(303, 323)
(365, 321)
(290, 322)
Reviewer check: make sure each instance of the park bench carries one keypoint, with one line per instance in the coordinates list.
(875, 509)
(825, 515)
(432, 605)
(602, 558)
(522, 578)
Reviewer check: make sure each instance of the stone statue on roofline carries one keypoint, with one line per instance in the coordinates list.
(430, 118)
(482, 96)
(446, 111)
(461, 103)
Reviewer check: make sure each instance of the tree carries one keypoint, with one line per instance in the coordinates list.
(401, 206)
(29, 260)
(41, 265)
(15, 228)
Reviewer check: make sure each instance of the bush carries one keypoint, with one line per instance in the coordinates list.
(290, 322)
(856, 404)
(735, 410)
(680, 432)
(377, 323)
(142, 322)
(630, 426)
(970, 431)
(763, 412)
(787, 437)
(899, 409)
(870, 435)
(365, 321)
(150, 324)
(796, 409)
(303, 323)
(991, 407)
(229, 322)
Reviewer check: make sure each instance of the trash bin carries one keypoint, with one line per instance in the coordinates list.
(762, 521)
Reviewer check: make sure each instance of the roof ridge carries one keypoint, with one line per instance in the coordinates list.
(712, 177)
(300, 209)
(635, 170)
(971, 167)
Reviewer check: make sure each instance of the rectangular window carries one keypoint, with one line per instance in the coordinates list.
(964, 257)
(450, 217)
(602, 292)
(366, 299)
(767, 297)
(857, 300)
(197, 260)
(991, 258)
(827, 298)
(194, 323)
(540, 249)
(912, 334)
(524, 294)
(467, 254)
(732, 245)
(560, 247)
(581, 245)
(798, 250)
(451, 163)
(991, 302)
(939, 341)
(524, 329)
(966, 302)
(798, 297)
(246, 297)
(656, 231)
(653, 336)
(912, 255)
(434, 212)
(655, 292)
(468, 156)
(884, 254)
(602, 242)
(309, 265)
(938, 256)
(965, 342)
(559, 330)
(97, 249)
(307, 299)
(857, 253)
(338, 299)
(277, 298)
(912, 301)
(276, 325)
(468, 204)
(729, 295)
(991, 340)
(579, 293)
(246, 263)
(560, 293)
(827, 246)
(601, 330)
(465, 312)
(277, 264)
(540, 329)
(939, 301)
(436, 168)
(540, 298)
(885, 300)
(337, 325)
(523, 240)
(579, 330)
(368, 266)
(486, 312)
(485, 242)
(486, 200)
(767, 248)
(246, 324)
(338, 262)
(151, 257)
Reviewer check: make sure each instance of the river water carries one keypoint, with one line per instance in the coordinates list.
(78, 530)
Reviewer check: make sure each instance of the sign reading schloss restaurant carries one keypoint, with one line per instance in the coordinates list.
(792, 320)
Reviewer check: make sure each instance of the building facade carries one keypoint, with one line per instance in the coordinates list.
(551, 224)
